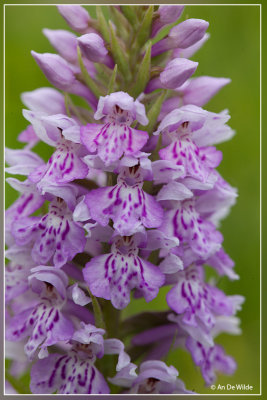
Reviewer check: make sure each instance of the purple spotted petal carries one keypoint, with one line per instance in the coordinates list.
(199, 302)
(67, 374)
(197, 162)
(112, 276)
(25, 205)
(55, 235)
(64, 166)
(16, 281)
(185, 224)
(165, 171)
(174, 191)
(45, 324)
(210, 360)
(112, 140)
(126, 204)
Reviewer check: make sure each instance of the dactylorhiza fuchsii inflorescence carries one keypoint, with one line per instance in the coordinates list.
(129, 202)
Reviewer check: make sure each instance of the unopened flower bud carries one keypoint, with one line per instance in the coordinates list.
(177, 72)
(56, 69)
(60, 74)
(166, 15)
(75, 16)
(188, 32)
(64, 42)
(93, 48)
(174, 75)
(184, 35)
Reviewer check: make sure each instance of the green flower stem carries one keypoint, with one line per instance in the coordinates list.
(112, 318)
(99, 319)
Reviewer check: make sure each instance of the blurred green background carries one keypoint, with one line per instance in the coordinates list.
(233, 51)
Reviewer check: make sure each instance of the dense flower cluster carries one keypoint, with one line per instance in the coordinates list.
(129, 201)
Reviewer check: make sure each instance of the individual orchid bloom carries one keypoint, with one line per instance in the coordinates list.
(198, 162)
(55, 236)
(154, 377)
(51, 128)
(112, 276)
(210, 360)
(207, 128)
(200, 302)
(185, 223)
(75, 372)
(45, 323)
(65, 165)
(116, 137)
(126, 203)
